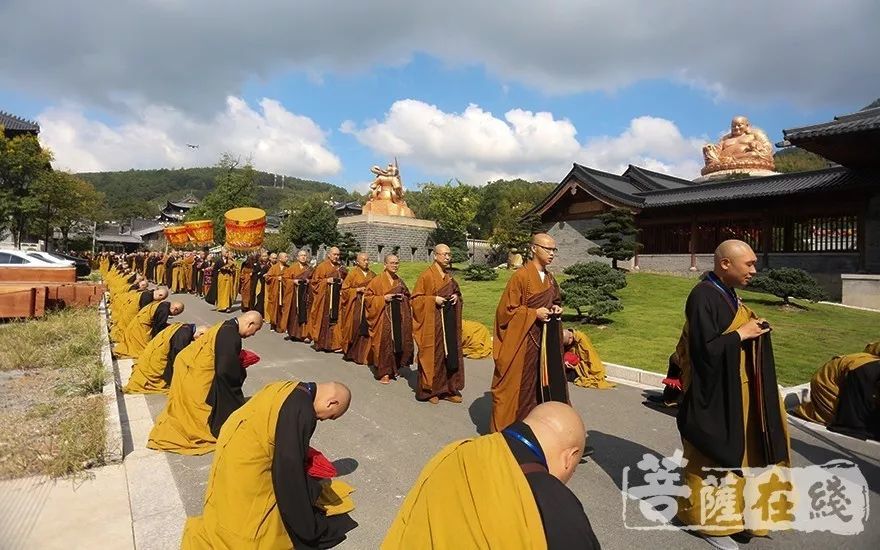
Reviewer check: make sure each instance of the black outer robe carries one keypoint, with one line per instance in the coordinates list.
(211, 296)
(295, 491)
(258, 299)
(858, 411)
(169, 267)
(182, 337)
(225, 395)
(144, 299)
(566, 525)
(160, 318)
(710, 416)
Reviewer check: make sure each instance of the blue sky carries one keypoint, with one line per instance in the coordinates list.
(475, 100)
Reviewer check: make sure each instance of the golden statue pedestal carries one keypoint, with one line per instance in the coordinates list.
(388, 208)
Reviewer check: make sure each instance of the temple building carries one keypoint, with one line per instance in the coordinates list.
(826, 221)
(15, 126)
(174, 212)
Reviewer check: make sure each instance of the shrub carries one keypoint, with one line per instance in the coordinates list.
(477, 272)
(590, 289)
(787, 283)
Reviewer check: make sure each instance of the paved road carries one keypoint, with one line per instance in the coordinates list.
(387, 436)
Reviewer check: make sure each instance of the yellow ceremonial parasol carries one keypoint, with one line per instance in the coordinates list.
(245, 228)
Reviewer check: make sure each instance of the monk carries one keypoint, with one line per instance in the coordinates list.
(225, 282)
(285, 293)
(188, 261)
(126, 306)
(258, 288)
(205, 388)
(731, 414)
(213, 264)
(178, 279)
(169, 270)
(325, 328)
(528, 340)
(503, 490)
(843, 394)
(149, 322)
(476, 341)
(154, 366)
(259, 493)
(436, 312)
(355, 332)
(295, 286)
(583, 366)
(389, 322)
(273, 288)
(246, 279)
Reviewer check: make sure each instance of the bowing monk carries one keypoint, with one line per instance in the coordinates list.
(528, 340)
(149, 322)
(154, 366)
(325, 328)
(259, 493)
(436, 312)
(731, 414)
(128, 304)
(583, 366)
(298, 297)
(389, 322)
(476, 341)
(273, 288)
(503, 490)
(205, 388)
(843, 394)
(355, 332)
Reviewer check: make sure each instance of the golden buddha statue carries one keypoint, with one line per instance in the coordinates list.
(745, 148)
(386, 193)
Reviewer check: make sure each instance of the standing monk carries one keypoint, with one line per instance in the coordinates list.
(247, 281)
(389, 319)
(355, 332)
(258, 288)
(731, 415)
(325, 328)
(436, 307)
(299, 299)
(288, 295)
(273, 288)
(528, 340)
(205, 388)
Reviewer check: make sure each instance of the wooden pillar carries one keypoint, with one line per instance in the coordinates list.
(766, 237)
(693, 243)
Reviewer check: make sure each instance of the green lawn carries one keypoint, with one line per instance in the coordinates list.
(646, 331)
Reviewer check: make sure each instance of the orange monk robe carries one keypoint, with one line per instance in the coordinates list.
(245, 284)
(287, 295)
(355, 345)
(516, 347)
(300, 296)
(378, 312)
(435, 377)
(326, 336)
(273, 291)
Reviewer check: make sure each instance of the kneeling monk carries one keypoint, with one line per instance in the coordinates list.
(583, 366)
(153, 368)
(205, 388)
(259, 493)
(504, 490)
(149, 322)
(476, 341)
(843, 394)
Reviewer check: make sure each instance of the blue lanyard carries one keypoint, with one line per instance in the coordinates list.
(727, 293)
(531, 446)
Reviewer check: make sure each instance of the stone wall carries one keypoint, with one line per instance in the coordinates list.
(379, 235)
(572, 244)
(673, 263)
(861, 290)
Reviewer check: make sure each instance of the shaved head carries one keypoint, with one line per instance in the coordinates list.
(333, 255)
(543, 248)
(332, 400)
(282, 257)
(561, 433)
(249, 323)
(363, 260)
(199, 331)
(443, 256)
(176, 308)
(735, 263)
(160, 294)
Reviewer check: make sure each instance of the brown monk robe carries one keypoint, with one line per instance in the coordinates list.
(355, 332)
(528, 340)
(436, 307)
(188, 261)
(389, 321)
(325, 328)
(731, 413)
(297, 297)
(273, 291)
(246, 282)
(281, 305)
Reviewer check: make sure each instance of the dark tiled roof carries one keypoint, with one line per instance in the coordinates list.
(18, 124)
(118, 239)
(860, 121)
(651, 180)
(608, 186)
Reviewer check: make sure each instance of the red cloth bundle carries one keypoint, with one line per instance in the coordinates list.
(247, 358)
(673, 382)
(571, 358)
(317, 465)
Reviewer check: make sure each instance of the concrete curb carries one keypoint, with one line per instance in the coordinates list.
(859, 308)
(113, 446)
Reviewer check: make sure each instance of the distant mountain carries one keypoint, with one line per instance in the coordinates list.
(793, 159)
(143, 192)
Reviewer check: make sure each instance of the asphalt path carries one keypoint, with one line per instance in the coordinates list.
(385, 439)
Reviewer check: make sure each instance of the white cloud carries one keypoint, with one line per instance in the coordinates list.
(476, 146)
(276, 139)
(195, 53)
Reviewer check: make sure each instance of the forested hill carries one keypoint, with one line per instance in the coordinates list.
(142, 192)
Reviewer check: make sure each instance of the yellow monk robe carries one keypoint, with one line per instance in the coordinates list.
(273, 292)
(690, 509)
(246, 285)
(241, 506)
(826, 383)
(590, 370)
(148, 375)
(476, 341)
(160, 270)
(325, 336)
(126, 307)
(225, 280)
(188, 262)
(149, 321)
(472, 494)
(183, 426)
(355, 344)
(177, 275)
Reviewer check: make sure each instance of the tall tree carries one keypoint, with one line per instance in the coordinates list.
(59, 200)
(22, 162)
(312, 224)
(515, 229)
(615, 235)
(234, 188)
